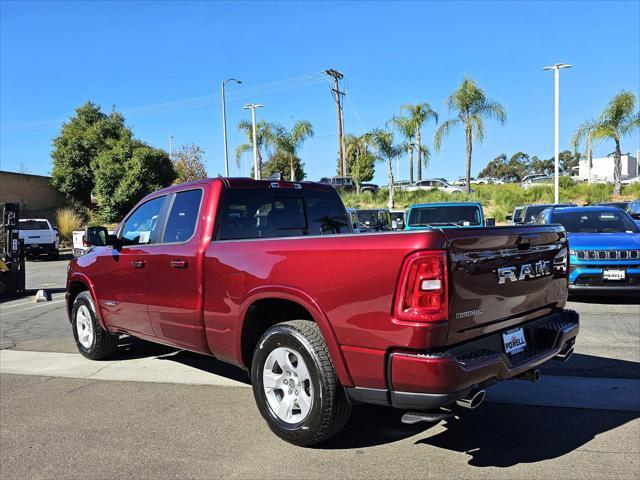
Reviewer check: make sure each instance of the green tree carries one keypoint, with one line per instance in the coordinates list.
(567, 160)
(360, 159)
(188, 164)
(386, 150)
(418, 115)
(618, 120)
(471, 106)
(82, 138)
(584, 132)
(264, 141)
(280, 162)
(288, 142)
(538, 165)
(128, 172)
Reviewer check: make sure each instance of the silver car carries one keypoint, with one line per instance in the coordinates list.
(433, 183)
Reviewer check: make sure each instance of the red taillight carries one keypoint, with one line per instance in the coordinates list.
(84, 242)
(422, 291)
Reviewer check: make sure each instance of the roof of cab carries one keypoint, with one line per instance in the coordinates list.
(242, 182)
(446, 204)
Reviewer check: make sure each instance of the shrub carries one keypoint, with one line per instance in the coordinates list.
(68, 220)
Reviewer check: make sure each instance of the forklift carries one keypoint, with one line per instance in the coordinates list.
(12, 272)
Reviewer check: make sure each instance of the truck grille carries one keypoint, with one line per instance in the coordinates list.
(608, 254)
(590, 280)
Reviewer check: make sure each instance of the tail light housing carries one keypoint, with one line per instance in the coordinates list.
(84, 241)
(422, 292)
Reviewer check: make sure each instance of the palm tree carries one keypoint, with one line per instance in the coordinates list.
(264, 140)
(471, 107)
(419, 114)
(616, 121)
(583, 133)
(360, 158)
(407, 129)
(288, 142)
(382, 140)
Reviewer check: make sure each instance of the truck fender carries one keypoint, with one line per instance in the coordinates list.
(282, 292)
(86, 281)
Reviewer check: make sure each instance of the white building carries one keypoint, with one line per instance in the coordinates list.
(602, 168)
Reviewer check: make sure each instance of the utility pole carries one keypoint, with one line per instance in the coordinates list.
(556, 146)
(224, 126)
(170, 147)
(337, 95)
(256, 167)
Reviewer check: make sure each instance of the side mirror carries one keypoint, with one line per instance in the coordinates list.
(509, 216)
(96, 236)
(490, 222)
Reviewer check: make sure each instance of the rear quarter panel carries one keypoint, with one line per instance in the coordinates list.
(347, 282)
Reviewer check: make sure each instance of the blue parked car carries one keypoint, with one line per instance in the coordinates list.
(446, 215)
(604, 248)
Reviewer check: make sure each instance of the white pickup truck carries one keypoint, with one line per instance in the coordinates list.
(39, 237)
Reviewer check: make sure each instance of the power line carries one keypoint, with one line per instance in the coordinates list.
(190, 102)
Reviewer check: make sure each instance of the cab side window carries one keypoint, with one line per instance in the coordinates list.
(141, 225)
(183, 217)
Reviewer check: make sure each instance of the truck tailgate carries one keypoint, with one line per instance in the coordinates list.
(503, 276)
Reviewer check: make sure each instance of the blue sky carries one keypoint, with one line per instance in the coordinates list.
(56, 56)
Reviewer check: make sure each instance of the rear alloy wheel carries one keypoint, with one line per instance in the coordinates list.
(287, 385)
(295, 384)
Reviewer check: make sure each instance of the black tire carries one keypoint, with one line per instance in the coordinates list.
(330, 409)
(104, 343)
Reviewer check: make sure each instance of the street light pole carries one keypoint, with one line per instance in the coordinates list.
(224, 126)
(556, 147)
(256, 169)
(170, 147)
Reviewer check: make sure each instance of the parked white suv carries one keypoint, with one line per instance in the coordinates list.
(433, 183)
(39, 237)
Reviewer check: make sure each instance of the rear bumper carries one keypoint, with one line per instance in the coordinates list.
(424, 381)
(41, 248)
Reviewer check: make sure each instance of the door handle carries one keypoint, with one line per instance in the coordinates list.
(137, 263)
(179, 263)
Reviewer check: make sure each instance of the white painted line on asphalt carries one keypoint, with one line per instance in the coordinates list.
(72, 365)
(41, 304)
(575, 392)
(31, 302)
(551, 391)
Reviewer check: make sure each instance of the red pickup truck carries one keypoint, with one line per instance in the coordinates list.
(268, 275)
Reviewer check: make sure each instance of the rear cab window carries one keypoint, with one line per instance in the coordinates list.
(34, 225)
(270, 213)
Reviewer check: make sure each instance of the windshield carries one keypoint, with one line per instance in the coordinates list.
(34, 225)
(595, 221)
(367, 216)
(458, 215)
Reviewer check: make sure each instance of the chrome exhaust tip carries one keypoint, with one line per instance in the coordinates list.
(472, 400)
(565, 355)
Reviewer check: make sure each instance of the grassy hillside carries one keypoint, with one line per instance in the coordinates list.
(498, 200)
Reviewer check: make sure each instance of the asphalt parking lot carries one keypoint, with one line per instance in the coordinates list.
(153, 411)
